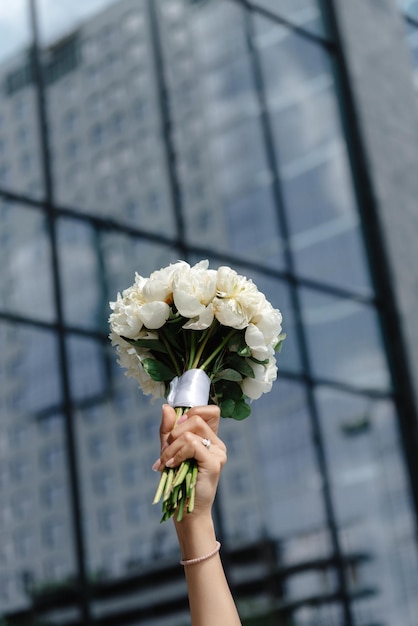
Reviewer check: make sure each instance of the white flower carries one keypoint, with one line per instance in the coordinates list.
(125, 320)
(268, 320)
(130, 359)
(154, 314)
(255, 340)
(236, 299)
(202, 321)
(131, 311)
(193, 291)
(265, 376)
(159, 286)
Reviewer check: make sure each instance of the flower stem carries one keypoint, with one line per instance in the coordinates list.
(192, 349)
(170, 352)
(218, 349)
(203, 344)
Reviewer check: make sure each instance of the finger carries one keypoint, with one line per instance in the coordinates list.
(189, 446)
(209, 413)
(197, 425)
(167, 422)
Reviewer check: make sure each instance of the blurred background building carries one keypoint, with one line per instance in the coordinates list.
(276, 136)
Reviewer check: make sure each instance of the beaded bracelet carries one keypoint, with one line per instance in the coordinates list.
(202, 558)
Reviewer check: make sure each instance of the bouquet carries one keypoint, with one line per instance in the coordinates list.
(194, 336)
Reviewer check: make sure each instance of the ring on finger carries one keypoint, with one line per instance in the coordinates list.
(206, 443)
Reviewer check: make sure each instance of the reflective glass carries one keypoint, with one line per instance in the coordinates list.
(35, 518)
(284, 452)
(227, 195)
(344, 341)
(57, 19)
(410, 7)
(108, 155)
(117, 449)
(324, 225)
(123, 256)
(29, 368)
(14, 28)
(26, 276)
(20, 162)
(372, 500)
(88, 374)
(82, 282)
(303, 13)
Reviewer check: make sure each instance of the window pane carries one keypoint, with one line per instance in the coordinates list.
(344, 341)
(87, 368)
(123, 256)
(325, 229)
(29, 370)
(227, 194)
(26, 276)
(372, 500)
(108, 155)
(83, 283)
(34, 493)
(117, 449)
(20, 162)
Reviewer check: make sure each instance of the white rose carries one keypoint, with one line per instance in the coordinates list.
(202, 321)
(268, 320)
(159, 286)
(125, 320)
(262, 383)
(194, 289)
(130, 358)
(236, 299)
(255, 340)
(154, 314)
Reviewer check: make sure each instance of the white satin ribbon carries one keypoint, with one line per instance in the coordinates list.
(190, 389)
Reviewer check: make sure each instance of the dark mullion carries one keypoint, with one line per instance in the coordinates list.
(317, 435)
(411, 20)
(57, 290)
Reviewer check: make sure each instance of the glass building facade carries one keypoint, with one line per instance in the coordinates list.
(134, 133)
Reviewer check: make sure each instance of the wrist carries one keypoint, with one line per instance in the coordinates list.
(196, 535)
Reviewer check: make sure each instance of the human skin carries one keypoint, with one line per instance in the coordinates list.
(210, 599)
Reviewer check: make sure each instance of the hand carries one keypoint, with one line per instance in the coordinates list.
(184, 441)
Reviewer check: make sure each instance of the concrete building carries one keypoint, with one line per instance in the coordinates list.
(277, 137)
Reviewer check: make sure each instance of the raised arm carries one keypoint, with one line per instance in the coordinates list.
(210, 598)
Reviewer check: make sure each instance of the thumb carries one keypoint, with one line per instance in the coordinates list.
(168, 421)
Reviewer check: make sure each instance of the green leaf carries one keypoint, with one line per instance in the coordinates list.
(279, 344)
(241, 365)
(228, 374)
(157, 370)
(228, 390)
(227, 407)
(252, 358)
(244, 351)
(241, 411)
(150, 344)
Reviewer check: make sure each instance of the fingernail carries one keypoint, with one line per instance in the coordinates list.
(170, 462)
(183, 418)
(156, 465)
